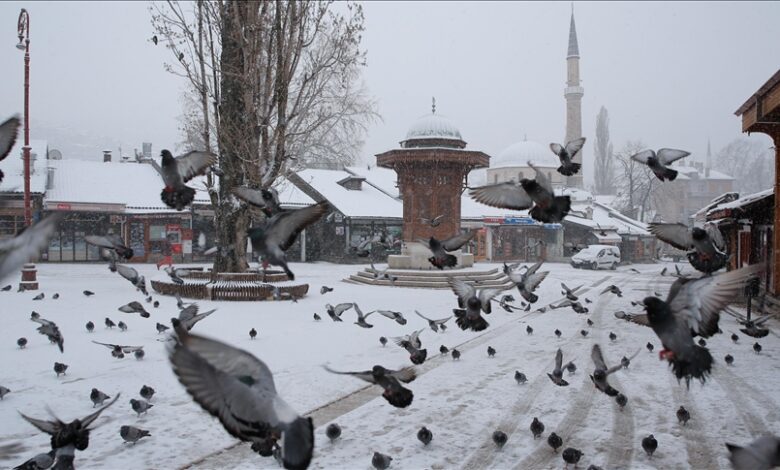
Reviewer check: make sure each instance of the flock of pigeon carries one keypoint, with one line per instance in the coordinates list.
(238, 388)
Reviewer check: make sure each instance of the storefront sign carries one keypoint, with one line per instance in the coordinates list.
(519, 221)
(551, 226)
(493, 220)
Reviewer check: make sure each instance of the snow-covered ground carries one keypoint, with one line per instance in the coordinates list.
(461, 402)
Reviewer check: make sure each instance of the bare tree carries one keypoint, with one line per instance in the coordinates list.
(635, 182)
(749, 161)
(604, 172)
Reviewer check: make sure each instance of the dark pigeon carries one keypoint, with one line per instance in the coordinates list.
(557, 373)
(333, 431)
(659, 162)
(621, 401)
(683, 415)
(499, 438)
(98, 397)
(147, 392)
(537, 428)
(554, 441)
(390, 380)
(441, 258)
(571, 455)
(176, 171)
(520, 377)
(566, 154)
(424, 435)
(381, 461)
(761, 454)
(649, 444)
(21, 342)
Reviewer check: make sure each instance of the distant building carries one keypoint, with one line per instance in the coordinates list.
(12, 187)
(511, 164)
(695, 187)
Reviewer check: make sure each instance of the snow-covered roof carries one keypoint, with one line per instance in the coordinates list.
(368, 202)
(385, 179)
(13, 167)
(134, 187)
(690, 172)
(433, 126)
(290, 195)
(578, 196)
(520, 153)
(744, 200)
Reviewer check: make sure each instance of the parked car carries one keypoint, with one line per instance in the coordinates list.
(596, 257)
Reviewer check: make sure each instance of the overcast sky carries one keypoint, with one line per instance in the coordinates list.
(671, 74)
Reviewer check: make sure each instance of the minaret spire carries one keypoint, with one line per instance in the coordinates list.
(573, 94)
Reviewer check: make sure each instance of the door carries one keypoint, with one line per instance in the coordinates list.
(744, 248)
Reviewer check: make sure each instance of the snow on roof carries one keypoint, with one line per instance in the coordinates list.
(291, 195)
(13, 167)
(690, 172)
(625, 225)
(433, 126)
(368, 202)
(136, 186)
(744, 201)
(520, 153)
(384, 179)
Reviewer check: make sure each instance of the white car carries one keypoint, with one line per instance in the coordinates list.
(596, 257)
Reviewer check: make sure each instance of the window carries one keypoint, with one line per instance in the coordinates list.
(157, 232)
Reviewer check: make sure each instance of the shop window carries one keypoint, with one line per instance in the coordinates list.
(157, 232)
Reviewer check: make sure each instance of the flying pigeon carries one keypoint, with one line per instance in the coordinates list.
(705, 246)
(536, 194)
(39, 462)
(471, 302)
(277, 234)
(527, 281)
(119, 351)
(132, 434)
(27, 245)
(439, 248)
(397, 316)
(601, 374)
(658, 162)
(413, 338)
(683, 415)
(537, 427)
(566, 154)
(557, 373)
(9, 129)
(433, 324)
(98, 397)
(390, 380)
(612, 289)
(146, 392)
(692, 308)
(135, 307)
(381, 461)
(621, 401)
(325, 289)
(554, 441)
(649, 444)
(570, 293)
(189, 317)
(424, 435)
(333, 431)
(361, 318)
(383, 274)
(112, 243)
(435, 222)
(265, 199)
(175, 274)
(66, 438)
(761, 454)
(416, 355)
(132, 275)
(499, 438)
(239, 390)
(176, 171)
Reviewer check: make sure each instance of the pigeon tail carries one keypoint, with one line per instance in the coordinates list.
(569, 170)
(177, 198)
(698, 366)
(298, 444)
(464, 322)
(555, 212)
(707, 264)
(529, 296)
(669, 174)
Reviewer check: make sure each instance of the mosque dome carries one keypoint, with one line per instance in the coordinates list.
(433, 130)
(520, 153)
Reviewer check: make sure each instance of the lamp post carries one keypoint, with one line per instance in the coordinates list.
(23, 28)
(29, 273)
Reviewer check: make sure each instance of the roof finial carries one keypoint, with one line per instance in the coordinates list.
(433, 105)
(572, 8)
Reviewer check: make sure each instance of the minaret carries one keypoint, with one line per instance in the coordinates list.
(573, 94)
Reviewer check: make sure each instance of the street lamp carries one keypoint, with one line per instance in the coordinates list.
(23, 28)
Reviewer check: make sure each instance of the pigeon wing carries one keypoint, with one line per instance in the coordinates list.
(643, 156)
(486, 295)
(89, 419)
(698, 303)
(557, 149)
(678, 235)
(14, 252)
(285, 229)
(558, 359)
(716, 236)
(8, 132)
(363, 375)
(463, 290)
(404, 375)
(341, 308)
(194, 163)
(422, 316)
(534, 268)
(598, 357)
(49, 427)
(533, 281)
(542, 179)
(127, 272)
(504, 195)
(667, 156)
(639, 319)
(188, 313)
(251, 196)
(575, 146)
(102, 242)
(109, 346)
(452, 244)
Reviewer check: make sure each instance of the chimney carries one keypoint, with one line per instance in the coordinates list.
(106, 156)
(49, 178)
(146, 149)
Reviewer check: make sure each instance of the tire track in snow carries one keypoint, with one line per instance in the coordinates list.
(621, 449)
(737, 393)
(697, 444)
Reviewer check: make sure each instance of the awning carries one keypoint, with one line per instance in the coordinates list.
(608, 237)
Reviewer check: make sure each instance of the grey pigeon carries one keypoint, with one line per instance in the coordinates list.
(435, 222)
(490, 351)
(658, 162)
(98, 397)
(381, 461)
(325, 289)
(520, 377)
(612, 336)
(600, 376)
(440, 248)
(21, 342)
(413, 339)
(333, 431)
(683, 415)
(27, 245)
(471, 303)
(122, 326)
(335, 312)
(317, 317)
(761, 454)
(135, 307)
(571, 455)
(112, 243)
(390, 380)
(119, 351)
(90, 326)
(705, 246)
(176, 274)
(383, 275)
(9, 130)
(161, 328)
(757, 347)
(692, 307)
(434, 324)
(537, 427)
(66, 438)
(621, 401)
(60, 368)
(383, 340)
(529, 330)
(566, 154)
(109, 323)
(132, 434)
(361, 318)
(39, 462)
(40, 296)
(276, 234)
(729, 359)
(570, 293)
(147, 392)
(132, 275)
(424, 435)
(527, 281)
(265, 199)
(239, 390)
(612, 289)
(139, 354)
(189, 316)
(176, 171)
(554, 441)
(455, 355)
(571, 367)
(3, 392)
(536, 194)
(140, 406)
(557, 373)
(252, 333)
(88, 293)
(649, 444)
(499, 438)
(50, 330)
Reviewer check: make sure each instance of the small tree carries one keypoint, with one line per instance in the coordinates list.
(635, 182)
(604, 171)
(749, 161)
